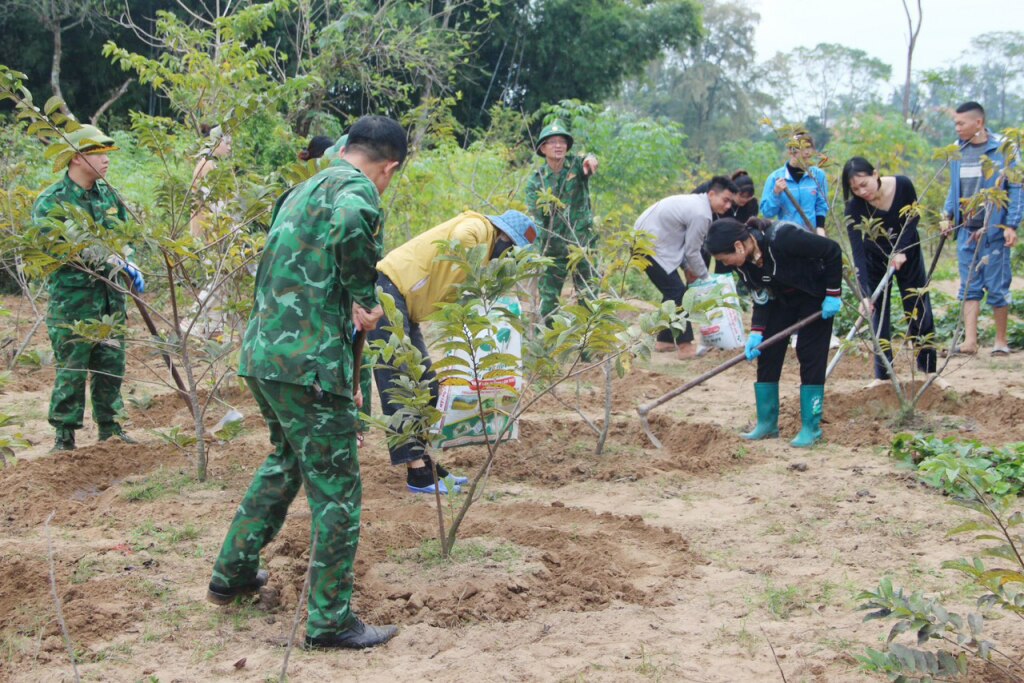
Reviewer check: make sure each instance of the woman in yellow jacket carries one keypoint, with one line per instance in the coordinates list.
(418, 280)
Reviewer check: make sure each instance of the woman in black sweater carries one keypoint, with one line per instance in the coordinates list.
(791, 273)
(882, 225)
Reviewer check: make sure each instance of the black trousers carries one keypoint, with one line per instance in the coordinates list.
(811, 342)
(672, 288)
(916, 308)
(384, 376)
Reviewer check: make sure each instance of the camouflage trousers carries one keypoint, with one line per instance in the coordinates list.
(314, 439)
(554, 277)
(76, 359)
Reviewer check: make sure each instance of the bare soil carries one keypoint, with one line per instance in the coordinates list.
(688, 563)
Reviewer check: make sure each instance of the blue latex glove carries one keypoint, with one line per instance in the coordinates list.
(754, 340)
(132, 271)
(830, 306)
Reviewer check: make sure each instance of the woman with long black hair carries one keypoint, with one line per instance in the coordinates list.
(882, 226)
(791, 274)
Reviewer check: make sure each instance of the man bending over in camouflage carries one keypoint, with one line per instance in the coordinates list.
(315, 283)
(77, 294)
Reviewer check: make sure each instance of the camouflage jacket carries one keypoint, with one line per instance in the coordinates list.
(75, 295)
(570, 221)
(320, 257)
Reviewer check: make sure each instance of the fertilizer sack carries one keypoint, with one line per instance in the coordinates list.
(460, 401)
(714, 307)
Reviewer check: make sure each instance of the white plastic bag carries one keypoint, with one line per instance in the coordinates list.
(714, 307)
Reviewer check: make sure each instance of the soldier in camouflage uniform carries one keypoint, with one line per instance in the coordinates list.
(314, 288)
(77, 294)
(566, 220)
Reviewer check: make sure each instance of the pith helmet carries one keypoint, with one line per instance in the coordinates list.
(90, 140)
(556, 127)
(334, 150)
(83, 140)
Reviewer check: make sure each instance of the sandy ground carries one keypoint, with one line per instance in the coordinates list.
(684, 564)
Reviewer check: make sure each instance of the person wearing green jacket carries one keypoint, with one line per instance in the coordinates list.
(565, 217)
(314, 288)
(85, 288)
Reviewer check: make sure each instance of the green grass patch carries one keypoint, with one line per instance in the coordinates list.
(163, 483)
(471, 551)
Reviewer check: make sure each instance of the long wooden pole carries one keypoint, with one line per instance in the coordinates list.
(646, 408)
(151, 326)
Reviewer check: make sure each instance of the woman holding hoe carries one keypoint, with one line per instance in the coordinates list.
(883, 232)
(791, 273)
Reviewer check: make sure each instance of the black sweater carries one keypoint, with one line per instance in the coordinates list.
(794, 260)
(895, 238)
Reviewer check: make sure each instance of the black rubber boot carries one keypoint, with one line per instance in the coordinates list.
(225, 595)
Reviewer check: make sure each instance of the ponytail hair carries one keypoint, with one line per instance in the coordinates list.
(744, 183)
(724, 234)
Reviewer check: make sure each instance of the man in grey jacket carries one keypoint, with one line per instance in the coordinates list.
(678, 225)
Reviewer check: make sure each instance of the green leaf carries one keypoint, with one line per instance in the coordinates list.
(1004, 576)
(52, 105)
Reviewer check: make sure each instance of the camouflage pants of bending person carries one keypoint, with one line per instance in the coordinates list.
(76, 359)
(314, 438)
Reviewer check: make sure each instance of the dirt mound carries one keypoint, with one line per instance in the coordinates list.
(169, 409)
(30, 381)
(587, 392)
(65, 481)
(555, 452)
(517, 559)
(94, 610)
(697, 447)
(868, 417)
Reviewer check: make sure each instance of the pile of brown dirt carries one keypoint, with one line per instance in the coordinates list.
(526, 557)
(67, 480)
(556, 451)
(868, 417)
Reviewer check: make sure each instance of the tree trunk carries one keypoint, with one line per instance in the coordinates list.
(58, 51)
(94, 119)
(912, 33)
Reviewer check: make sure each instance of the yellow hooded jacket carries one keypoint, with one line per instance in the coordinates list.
(424, 280)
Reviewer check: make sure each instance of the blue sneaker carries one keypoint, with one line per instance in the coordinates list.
(430, 488)
(443, 473)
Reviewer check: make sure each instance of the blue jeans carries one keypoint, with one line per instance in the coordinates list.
(991, 269)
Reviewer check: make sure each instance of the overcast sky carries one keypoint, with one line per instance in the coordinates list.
(879, 27)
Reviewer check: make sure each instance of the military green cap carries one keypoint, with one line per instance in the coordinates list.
(556, 127)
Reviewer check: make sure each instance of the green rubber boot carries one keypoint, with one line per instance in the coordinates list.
(115, 431)
(65, 440)
(811, 397)
(767, 395)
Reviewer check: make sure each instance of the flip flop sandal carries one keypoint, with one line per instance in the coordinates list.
(957, 351)
(1001, 351)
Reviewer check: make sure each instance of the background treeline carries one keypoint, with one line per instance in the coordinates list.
(674, 91)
